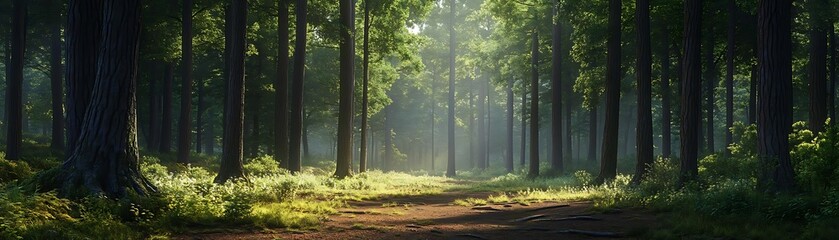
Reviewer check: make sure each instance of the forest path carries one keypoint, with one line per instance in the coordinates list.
(435, 217)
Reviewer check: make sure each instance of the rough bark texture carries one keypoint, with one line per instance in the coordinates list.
(509, 162)
(185, 121)
(644, 127)
(82, 36)
(105, 160)
(365, 96)
(57, 89)
(14, 85)
(691, 91)
(817, 66)
(533, 171)
(231, 157)
(281, 87)
(666, 128)
(296, 116)
(166, 119)
(346, 82)
(556, 97)
(450, 168)
(609, 159)
(774, 107)
(729, 76)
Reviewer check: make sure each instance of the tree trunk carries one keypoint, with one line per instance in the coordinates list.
(57, 89)
(365, 98)
(387, 162)
(818, 65)
(534, 108)
(281, 87)
(107, 162)
(523, 130)
(609, 159)
(347, 81)
(666, 147)
(509, 162)
(471, 127)
(644, 127)
(210, 141)
(83, 36)
(184, 122)
(450, 168)
(556, 97)
(482, 136)
(231, 159)
(166, 123)
(296, 117)
(691, 91)
(199, 118)
(729, 76)
(710, 86)
(831, 98)
(774, 107)
(14, 85)
(433, 122)
(154, 109)
(753, 95)
(592, 135)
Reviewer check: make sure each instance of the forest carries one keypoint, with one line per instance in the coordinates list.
(419, 119)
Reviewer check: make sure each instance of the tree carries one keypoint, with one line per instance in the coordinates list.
(818, 64)
(14, 85)
(281, 87)
(556, 96)
(347, 79)
(509, 153)
(166, 122)
(533, 171)
(666, 149)
(729, 76)
(57, 88)
(774, 104)
(185, 122)
(710, 82)
(608, 162)
(592, 135)
(832, 92)
(450, 168)
(296, 117)
(231, 159)
(644, 128)
(83, 36)
(482, 141)
(691, 91)
(107, 162)
(365, 98)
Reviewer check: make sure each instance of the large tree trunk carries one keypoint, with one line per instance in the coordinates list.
(609, 159)
(482, 136)
(231, 158)
(666, 147)
(644, 127)
(107, 162)
(14, 85)
(57, 89)
(166, 122)
(296, 117)
(347, 81)
(185, 121)
(199, 117)
(450, 168)
(154, 110)
(592, 135)
(281, 87)
(556, 96)
(818, 65)
(388, 161)
(365, 98)
(433, 123)
(83, 36)
(533, 171)
(831, 98)
(691, 91)
(509, 154)
(523, 150)
(729, 76)
(774, 107)
(710, 82)
(471, 126)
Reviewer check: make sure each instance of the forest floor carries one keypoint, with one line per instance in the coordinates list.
(436, 216)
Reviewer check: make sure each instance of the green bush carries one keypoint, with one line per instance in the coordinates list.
(11, 170)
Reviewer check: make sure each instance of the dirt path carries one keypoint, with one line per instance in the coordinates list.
(434, 217)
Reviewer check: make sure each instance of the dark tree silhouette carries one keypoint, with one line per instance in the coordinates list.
(154, 109)
(166, 120)
(83, 36)
(533, 171)
(666, 147)
(105, 160)
(299, 67)
(481, 156)
(831, 101)
(509, 162)
(710, 82)
(185, 122)
(281, 87)
(752, 118)
(592, 135)
(523, 129)
(729, 75)
(231, 158)
(818, 65)
(347, 81)
(56, 87)
(556, 96)
(609, 159)
(644, 127)
(14, 85)
(691, 91)
(365, 96)
(774, 107)
(450, 168)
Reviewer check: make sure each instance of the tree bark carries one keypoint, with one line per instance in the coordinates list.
(644, 127)
(710, 82)
(592, 135)
(57, 89)
(729, 76)
(296, 117)
(185, 121)
(14, 85)
(818, 65)
(482, 136)
(281, 87)
(199, 118)
(831, 98)
(523, 129)
(774, 107)
(106, 157)
(154, 109)
(231, 159)
(166, 122)
(691, 91)
(450, 168)
(533, 171)
(83, 36)
(608, 162)
(666, 134)
(365, 98)
(509, 162)
(556, 96)
(387, 162)
(347, 81)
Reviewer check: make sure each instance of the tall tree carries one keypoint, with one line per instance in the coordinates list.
(818, 64)
(609, 159)
(450, 168)
(83, 37)
(556, 95)
(56, 86)
(533, 171)
(691, 91)
(185, 121)
(774, 107)
(832, 92)
(481, 156)
(281, 87)
(199, 117)
(644, 127)
(166, 120)
(347, 79)
(509, 153)
(299, 67)
(365, 95)
(729, 75)
(106, 158)
(592, 135)
(523, 129)
(14, 85)
(710, 82)
(154, 109)
(231, 159)
(666, 148)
